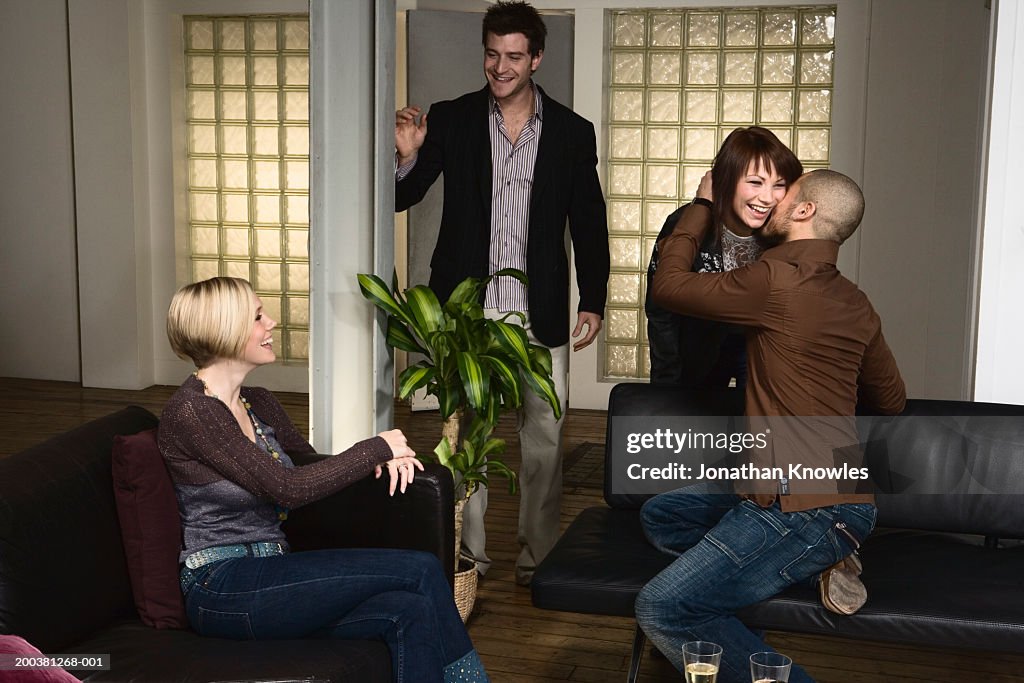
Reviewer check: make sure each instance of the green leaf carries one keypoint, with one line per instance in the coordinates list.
(466, 292)
(494, 447)
(512, 272)
(512, 339)
(440, 344)
(545, 388)
(400, 337)
(509, 378)
(515, 314)
(500, 468)
(540, 359)
(493, 407)
(414, 377)
(443, 451)
(475, 381)
(374, 289)
(449, 396)
(425, 309)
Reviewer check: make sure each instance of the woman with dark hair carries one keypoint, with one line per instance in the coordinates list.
(227, 448)
(750, 174)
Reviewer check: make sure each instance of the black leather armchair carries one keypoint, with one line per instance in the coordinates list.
(64, 583)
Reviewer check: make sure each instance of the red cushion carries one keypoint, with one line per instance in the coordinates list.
(150, 527)
(12, 647)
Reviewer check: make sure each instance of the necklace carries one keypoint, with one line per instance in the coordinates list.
(282, 512)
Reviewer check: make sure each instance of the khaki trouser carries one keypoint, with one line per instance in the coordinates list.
(540, 475)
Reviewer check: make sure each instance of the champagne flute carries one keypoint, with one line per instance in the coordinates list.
(770, 667)
(701, 660)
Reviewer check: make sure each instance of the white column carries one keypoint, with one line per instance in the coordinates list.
(999, 360)
(344, 207)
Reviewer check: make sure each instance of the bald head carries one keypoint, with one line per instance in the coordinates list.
(838, 202)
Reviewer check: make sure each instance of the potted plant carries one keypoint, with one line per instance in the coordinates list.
(473, 365)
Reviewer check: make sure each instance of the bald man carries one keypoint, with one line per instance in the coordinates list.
(815, 349)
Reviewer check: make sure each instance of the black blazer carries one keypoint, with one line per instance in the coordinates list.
(565, 187)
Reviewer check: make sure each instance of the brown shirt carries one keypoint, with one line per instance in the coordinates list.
(814, 345)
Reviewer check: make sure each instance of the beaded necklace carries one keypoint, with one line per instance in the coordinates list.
(282, 512)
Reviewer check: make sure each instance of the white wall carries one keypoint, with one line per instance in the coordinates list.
(921, 177)
(109, 126)
(38, 279)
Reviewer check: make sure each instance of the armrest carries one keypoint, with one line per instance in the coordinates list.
(364, 516)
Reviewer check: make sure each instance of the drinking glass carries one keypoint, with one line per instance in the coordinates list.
(701, 660)
(770, 667)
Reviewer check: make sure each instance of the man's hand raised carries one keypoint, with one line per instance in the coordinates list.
(409, 135)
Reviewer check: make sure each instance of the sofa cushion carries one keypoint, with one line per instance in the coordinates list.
(150, 528)
(598, 565)
(15, 646)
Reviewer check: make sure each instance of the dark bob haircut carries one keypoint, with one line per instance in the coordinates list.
(743, 146)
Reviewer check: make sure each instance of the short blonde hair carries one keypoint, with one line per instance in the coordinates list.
(211, 319)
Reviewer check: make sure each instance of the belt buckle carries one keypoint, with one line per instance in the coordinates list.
(194, 561)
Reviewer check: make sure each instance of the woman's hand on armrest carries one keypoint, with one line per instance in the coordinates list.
(401, 472)
(403, 463)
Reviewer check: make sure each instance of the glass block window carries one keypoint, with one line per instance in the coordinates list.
(247, 118)
(679, 82)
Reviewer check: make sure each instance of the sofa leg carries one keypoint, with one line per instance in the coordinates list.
(639, 639)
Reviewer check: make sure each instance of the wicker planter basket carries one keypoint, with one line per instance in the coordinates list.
(465, 588)
(465, 570)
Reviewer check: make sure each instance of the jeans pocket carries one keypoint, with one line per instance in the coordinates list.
(818, 555)
(750, 531)
(218, 624)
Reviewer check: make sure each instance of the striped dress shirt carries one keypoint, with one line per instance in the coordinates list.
(511, 188)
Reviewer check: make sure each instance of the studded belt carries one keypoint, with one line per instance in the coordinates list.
(227, 552)
(224, 552)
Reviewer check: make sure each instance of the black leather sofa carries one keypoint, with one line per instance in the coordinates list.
(942, 569)
(64, 582)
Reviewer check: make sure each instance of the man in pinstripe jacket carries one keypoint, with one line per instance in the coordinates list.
(517, 166)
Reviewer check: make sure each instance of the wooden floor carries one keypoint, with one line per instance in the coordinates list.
(517, 642)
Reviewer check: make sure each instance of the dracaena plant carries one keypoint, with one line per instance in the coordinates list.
(475, 460)
(470, 364)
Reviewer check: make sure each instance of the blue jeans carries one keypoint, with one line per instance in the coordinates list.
(732, 553)
(398, 596)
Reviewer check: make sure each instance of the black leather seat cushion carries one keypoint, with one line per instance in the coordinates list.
(598, 565)
(140, 653)
(925, 588)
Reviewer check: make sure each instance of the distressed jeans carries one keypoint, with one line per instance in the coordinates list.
(732, 553)
(398, 596)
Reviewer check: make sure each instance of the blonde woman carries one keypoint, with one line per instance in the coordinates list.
(227, 447)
